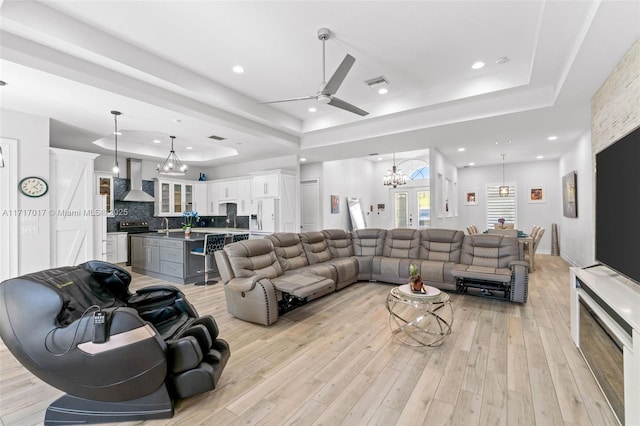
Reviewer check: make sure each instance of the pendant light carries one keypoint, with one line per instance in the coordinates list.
(172, 166)
(394, 177)
(503, 190)
(116, 169)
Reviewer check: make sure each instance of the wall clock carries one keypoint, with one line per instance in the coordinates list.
(33, 186)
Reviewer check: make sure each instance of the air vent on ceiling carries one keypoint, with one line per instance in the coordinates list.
(218, 138)
(376, 81)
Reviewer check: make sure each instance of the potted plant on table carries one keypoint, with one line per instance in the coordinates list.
(415, 281)
(190, 219)
(501, 221)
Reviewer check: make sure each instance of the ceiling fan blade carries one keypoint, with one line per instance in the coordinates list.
(338, 77)
(302, 98)
(339, 103)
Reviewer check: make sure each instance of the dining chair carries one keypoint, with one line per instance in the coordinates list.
(472, 230)
(212, 243)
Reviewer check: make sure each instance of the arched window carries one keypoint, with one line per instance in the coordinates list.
(415, 169)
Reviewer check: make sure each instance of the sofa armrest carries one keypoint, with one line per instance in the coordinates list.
(519, 281)
(244, 284)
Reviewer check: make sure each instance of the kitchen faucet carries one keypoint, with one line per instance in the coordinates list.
(165, 221)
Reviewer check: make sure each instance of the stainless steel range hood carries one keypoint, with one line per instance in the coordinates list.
(134, 171)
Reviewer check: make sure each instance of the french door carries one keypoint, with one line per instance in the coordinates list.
(412, 208)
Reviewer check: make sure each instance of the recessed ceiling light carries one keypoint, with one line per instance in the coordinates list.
(540, 157)
(312, 109)
(477, 65)
(383, 90)
(379, 158)
(472, 164)
(189, 147)
(460, 149)
(552, 138)
(157, 141)
(238, 69)
(303, 159)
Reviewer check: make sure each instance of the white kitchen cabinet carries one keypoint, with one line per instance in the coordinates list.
(104, 186)
(244, 197)
(116, 247)
(227, 191)
(173, 197)
(267, 185)
(212, 198)
(200, 197)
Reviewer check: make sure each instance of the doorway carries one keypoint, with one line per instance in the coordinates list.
(309, 205)
(412, 207)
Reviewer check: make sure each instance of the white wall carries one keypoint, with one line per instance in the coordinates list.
(289, 162)
(440, 217)
(32, 134)
(576, 234)
(524, 175)
(345, 178)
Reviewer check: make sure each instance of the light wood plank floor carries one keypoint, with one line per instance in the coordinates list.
(334, 362)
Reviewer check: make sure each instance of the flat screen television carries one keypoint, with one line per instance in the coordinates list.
(618, 206)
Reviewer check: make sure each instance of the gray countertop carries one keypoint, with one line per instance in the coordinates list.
(171, 235)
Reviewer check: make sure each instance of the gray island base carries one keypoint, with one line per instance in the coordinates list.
(167, 256)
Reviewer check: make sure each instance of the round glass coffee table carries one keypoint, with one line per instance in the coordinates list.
(418, 319)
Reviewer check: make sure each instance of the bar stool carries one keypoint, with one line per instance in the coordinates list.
(212, 243)
(239, 237)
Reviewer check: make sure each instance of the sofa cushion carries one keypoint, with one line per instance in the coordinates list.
(339, 242)
(315, 247)
(441, 244)
(495, 251)
(435, 271)
(289, 250)
(325, 270)
(368, 242)
(403, 243)
(347, 269)
(304, 285)
(253, 257)
(484, 273)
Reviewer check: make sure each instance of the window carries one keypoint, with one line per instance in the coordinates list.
(401, 210)
(501, 207)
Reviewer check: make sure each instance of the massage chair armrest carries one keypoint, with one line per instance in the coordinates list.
(184, 354)
(130, 364)
(515, 263)
(245, 284)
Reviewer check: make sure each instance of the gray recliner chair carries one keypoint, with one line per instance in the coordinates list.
(118, 356)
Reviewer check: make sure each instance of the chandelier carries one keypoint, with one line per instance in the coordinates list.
(116, 169)
(172, 166)
(394, 177)
(503, 190)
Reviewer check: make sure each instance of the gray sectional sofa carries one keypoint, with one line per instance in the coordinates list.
(267, 277)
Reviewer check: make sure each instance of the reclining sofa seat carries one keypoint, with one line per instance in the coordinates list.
(46, 321)
(491, 258)
(439, 252)
(401, 248)
(332, 247)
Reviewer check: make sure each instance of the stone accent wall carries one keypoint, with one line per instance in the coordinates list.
(615, 108)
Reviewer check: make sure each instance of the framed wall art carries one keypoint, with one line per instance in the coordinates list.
(471, 197)
(537, 194)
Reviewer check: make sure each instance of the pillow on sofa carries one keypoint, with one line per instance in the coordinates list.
(315, 247)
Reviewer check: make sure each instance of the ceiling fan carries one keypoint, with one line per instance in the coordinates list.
(328, 89)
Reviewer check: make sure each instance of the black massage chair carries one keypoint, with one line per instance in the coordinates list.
(118, 356)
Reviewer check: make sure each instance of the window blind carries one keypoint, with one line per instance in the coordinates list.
(501, 207)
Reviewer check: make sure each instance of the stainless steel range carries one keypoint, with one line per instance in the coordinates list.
(132, 228)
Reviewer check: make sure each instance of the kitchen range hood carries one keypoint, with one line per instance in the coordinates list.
(134, 171)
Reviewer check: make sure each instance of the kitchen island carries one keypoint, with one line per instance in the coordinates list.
(167, 256)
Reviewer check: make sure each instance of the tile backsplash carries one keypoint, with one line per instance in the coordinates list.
(133, 211)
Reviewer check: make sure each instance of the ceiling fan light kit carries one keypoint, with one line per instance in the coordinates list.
(328, 89)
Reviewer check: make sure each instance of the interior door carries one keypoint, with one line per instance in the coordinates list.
(309, 205)
(412, 208)
(9, 207)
